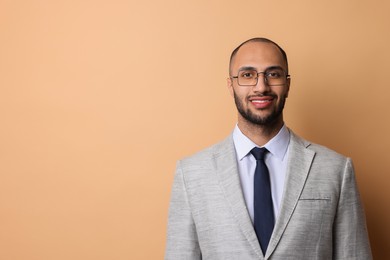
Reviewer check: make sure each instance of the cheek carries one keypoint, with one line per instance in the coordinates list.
(241, 97)
(283, 93)
(241, 93)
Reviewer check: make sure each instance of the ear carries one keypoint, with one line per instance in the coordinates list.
(288, 85)
(229, 82)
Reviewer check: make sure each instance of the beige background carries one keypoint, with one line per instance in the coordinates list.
(98, 99)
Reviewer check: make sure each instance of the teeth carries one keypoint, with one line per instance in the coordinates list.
(260, 101)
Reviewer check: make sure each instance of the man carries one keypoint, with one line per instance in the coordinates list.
(265, 193)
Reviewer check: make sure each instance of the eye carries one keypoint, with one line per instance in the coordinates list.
(274, 74)
(248, 74)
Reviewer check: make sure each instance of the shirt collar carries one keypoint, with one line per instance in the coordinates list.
(277, 146)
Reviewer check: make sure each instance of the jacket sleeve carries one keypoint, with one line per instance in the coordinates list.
(182, 241)
(350, 237)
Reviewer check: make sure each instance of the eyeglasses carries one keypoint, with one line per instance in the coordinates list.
(272, 77)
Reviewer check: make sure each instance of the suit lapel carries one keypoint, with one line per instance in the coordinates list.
(227, 172)
(300, 160)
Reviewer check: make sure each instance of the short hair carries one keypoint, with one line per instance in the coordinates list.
(258, 39)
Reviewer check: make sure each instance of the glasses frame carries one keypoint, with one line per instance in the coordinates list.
(265, 77)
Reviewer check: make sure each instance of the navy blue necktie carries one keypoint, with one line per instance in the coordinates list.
(263, 207)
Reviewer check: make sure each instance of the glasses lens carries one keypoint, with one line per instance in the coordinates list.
(247, 77)
(275, 77)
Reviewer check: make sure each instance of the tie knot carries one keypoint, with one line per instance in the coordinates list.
(259, 153)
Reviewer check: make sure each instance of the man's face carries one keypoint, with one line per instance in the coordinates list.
(260, 104)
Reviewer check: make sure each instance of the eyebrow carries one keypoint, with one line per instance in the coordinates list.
(247, 68)
(253, 68)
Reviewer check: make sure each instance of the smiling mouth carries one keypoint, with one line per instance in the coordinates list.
(261, 101)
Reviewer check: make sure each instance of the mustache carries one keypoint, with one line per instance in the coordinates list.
(267, 94)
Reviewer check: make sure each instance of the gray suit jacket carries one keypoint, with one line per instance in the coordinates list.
(321, 216)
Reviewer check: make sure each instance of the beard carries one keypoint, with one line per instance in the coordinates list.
(257, 119)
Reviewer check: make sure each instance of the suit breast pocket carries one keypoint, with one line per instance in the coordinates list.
(312, 210)
(311, 220)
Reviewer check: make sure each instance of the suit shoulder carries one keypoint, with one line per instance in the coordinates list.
(325, 164)
(198, 168)
(325, 151)
(320, 150)
(207, 153)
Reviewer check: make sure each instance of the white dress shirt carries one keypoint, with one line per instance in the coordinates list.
(276, 161)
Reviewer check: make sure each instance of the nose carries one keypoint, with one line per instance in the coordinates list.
(261, 85)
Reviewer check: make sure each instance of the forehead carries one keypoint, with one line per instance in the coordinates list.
(259, 55)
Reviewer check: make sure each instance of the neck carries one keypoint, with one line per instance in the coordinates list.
(260, 134)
